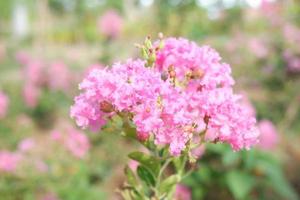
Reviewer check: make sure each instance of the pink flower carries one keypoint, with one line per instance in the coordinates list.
(26, 145)
(291, 34)
(110, 24)
(201, 64)
(31, 95)
(34, 72)
(56, 135)
(41, 166)
(133, 165)
(187, 91)
(22, 57)
(198, 151)
(292, 61)
(9, 161)
(77, 143)
(258, 48)
(247, 105)
(182, 193)
(272, 11)
(4, 103)
(59, 76)
(72, 140)
(268, 135)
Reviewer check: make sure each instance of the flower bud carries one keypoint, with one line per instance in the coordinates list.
(106, 107)
(197, 74)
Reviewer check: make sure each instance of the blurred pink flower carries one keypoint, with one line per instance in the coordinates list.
(198, 151)
(55, 135)
(292, 61)
(41, 166)
(22, 57)
(268, 135)
(73, 140)
(26, 145)
(77, 143)
(110, 24)
(272, 11)
(31, 95)
(182, 192)
(59, 76)
(34, 72)
(9, 161)
(133, 165)
(258, 48)
(247, 105)
(291, 33)
(4, 103)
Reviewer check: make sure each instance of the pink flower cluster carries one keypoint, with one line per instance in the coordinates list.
(38, 74)
(9, 161)
(110, 24)
(74, 141)
(187, 91)
(292, 61)
(182, 192)
(269, 137)
(4, 103)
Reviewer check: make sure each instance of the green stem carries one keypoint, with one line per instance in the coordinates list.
(161, 171)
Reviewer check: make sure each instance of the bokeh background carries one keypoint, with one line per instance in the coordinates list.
(47, 46)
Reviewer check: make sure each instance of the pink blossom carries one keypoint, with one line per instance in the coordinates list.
(9, 161)
(4, 103)
(22, 57)
(31, 94)
(56, 135)
(272, 11)
(34, 72)
(26, 145)
(258, 48)
(188, 59)
(292, 61)
(77, 143)
(268, 135)
(59, 76)
(247, 105)
(41, 166)
(133, 165)
(195, 95)
(291, 34)
(110, 24)
(72, 140)
(182, 192)
(198, 151)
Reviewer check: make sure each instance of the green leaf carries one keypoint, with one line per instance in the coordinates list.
(145, 175)
(130, 176)
(128, 130)
(276, 179)
(147, 161)
(168, 184)
(239, 183)
(230, 158)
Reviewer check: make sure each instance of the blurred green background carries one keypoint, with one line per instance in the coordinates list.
(47, 46)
